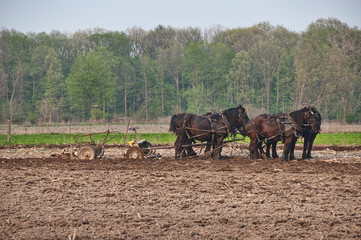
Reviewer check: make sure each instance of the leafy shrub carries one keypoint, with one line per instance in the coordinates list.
(352, 117)
(66, 117)
(33, 118)
(96, 113)
(19, 119)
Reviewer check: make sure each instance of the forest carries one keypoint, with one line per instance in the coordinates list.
(96, 74)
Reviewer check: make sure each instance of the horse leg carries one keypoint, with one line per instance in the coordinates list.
(274, 150)
(179, 150)
(189, 149)
(292, 148)
(268, 155)
(218, 148)
(260, 149)
(177, 146)
(253, 151)
(256, 151)
(306, 141)
(260, 153)
(208, 147)
(310, 144)
(286, 149)
(254, 147)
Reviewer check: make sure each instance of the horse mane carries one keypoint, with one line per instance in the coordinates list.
(317, 114)
(172, 127)
(230, 110)
(173, 121)
(234, 126)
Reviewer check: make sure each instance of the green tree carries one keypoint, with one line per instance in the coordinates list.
(313, 81)
(328, 68)
(198, 99)
(90, 82)
(14, 67)
(121, 46)
(265, 58)
(240, 88)
(286, 83)
(345, 58)
(170, 59)
(220, 57)
(195, 69)
(54, 96)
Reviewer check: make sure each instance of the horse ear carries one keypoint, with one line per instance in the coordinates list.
(310, 109)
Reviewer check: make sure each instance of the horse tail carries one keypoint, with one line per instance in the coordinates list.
(172, 126)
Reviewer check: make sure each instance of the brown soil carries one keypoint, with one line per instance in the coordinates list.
(163, 198)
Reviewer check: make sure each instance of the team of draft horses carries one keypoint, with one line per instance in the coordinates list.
(213, 128)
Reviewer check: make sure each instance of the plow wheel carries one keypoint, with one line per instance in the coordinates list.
(86, 153)
(134, 153)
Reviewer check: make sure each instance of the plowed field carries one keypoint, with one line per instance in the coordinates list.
(163, 198)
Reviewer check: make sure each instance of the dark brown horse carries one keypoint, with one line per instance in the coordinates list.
(206, 129)
(284, 127)
(234, 118)
(212, 128)
(307, 133)
(177, 127)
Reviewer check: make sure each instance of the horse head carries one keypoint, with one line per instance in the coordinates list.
(242, 119)
(310, 116)
(318, 119)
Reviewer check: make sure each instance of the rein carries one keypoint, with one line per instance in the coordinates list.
(201, 130)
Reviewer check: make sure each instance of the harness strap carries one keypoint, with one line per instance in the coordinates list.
(210, 122)
(226, 123)
(185, 128)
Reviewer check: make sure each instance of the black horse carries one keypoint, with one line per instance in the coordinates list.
(284, 127)
(307, 133)
(212, 128)
(177, 127)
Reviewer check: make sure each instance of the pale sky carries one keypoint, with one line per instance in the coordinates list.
(119, 15)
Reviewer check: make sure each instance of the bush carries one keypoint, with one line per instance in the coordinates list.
(96, 113)
(108, 117)
(66, 117)
(33, 118)
(352, 117)
(19, 119)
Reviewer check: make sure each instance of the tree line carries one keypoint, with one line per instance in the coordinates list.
(111, 75)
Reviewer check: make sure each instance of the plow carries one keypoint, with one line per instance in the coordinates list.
(86, 147)
(90, 149)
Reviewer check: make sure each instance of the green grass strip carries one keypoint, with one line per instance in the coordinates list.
(353, 138)
(59, 139)
(156, 138)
